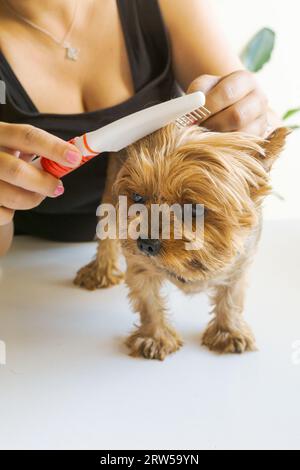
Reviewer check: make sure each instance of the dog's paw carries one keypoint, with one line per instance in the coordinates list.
(155, 346)
(232, 340)
(94, 276)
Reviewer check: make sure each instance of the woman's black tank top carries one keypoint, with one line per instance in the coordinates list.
(72, 217)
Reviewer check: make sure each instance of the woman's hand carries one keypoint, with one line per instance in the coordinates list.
(22, 186)
(236, 103)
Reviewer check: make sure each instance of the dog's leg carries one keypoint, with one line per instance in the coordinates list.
(154, 338)
(228, 332)
(103, 271)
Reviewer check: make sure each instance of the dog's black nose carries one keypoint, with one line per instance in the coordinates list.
(149, 246)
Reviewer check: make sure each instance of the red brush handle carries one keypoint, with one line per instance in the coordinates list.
(58, 170)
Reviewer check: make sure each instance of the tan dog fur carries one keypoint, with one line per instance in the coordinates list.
(229, 174)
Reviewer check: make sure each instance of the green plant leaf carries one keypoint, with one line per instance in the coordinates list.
(290, 113)
(259, 50)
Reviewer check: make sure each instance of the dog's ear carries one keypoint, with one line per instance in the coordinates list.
(273, 147)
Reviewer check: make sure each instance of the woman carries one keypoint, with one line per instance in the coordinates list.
(73, 66)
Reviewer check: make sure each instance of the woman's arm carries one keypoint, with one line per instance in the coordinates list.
(203, 60)
(199, 45)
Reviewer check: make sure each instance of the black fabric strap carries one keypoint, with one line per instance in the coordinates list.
(145, 38)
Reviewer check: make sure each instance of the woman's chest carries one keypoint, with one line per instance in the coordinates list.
(99, 78)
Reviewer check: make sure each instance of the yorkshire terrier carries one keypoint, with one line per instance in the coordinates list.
(227, 173)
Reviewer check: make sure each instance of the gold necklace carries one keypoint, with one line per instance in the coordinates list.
(72, 53)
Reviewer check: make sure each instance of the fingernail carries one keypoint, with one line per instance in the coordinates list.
(59, 190)
(73, 157)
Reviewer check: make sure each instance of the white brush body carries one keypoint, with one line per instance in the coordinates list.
(127, 130)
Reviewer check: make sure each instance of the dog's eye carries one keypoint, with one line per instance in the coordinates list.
(137, 198)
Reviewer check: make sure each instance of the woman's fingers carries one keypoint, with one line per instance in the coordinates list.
(204, 83)
(27, 157)
(32, 140)
(16, 198)
(6, 215)
(258, 127)
(20, 173)
(222, 93)
(230, 90)
(14, 153)
(22, 185)
(236, 103)
(240, 114)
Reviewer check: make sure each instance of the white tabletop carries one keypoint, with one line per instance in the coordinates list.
(68, 382)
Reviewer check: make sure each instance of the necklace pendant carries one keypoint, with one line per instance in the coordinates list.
(72, 53)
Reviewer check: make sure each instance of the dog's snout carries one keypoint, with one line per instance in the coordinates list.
(149, 246)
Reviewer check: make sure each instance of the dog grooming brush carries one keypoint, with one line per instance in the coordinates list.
(184, 111)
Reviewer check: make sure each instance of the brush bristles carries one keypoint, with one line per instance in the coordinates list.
(193, 118)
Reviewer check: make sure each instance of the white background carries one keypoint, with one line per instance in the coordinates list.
(280, 79)
(69, 383)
